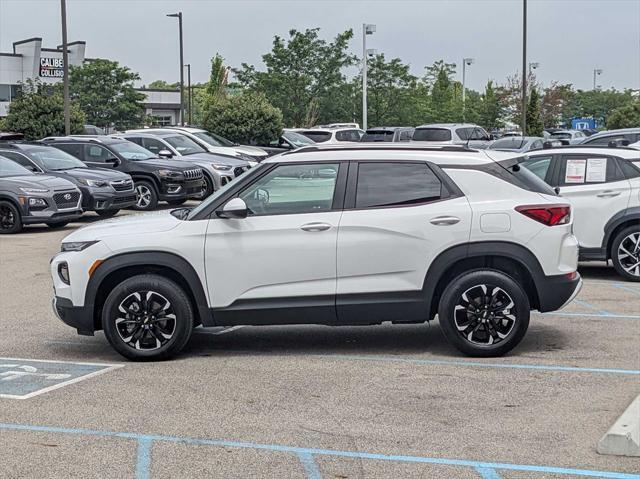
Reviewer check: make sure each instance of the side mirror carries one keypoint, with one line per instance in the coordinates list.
(114, 161)
(165, 154)
(236, 208)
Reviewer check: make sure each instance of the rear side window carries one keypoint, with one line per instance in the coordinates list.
(515, 173)
(405, 135)
(317, 136)
(396, 184)
(97, 153)
(587, 169)
(431, 134)
(71, 148)
(348, 135)
(631, 169)
(377, 135)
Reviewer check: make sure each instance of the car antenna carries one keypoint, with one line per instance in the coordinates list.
(475, 127)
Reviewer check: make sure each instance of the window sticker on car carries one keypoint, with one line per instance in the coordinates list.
(575, 171)
(596, 170)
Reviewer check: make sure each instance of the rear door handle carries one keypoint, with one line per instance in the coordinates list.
(445, 220)
(316, 226)
(608, 194)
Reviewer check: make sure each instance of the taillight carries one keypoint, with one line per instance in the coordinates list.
(550, 215)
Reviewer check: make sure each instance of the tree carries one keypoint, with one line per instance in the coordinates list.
(245, 118)
(39, 112)
(163, 85)
(596, 104)
(303, 73)
(105, 93)
(627, 116)
(554, 101)
(534, 118)
(510, 95)
(491, 109)
(215, 87)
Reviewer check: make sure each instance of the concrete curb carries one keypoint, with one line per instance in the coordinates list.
(623, 438)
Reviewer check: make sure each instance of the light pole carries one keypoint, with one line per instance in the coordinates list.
(465, 62)
(596, 71)
(179, 17)
(188, 65)
(524, 68)
(65, 69)
(367, 29)
(533, 66)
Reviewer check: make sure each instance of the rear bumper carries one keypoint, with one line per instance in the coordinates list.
(555, 292)
(78, 317)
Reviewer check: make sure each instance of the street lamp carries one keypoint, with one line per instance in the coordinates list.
(596, 71)
(179, 17)
(533, 66)
(465, 62)
(188, 65)
(524, 68)
(65, 71)
(367, 29)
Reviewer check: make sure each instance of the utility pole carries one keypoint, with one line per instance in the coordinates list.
(179, 17)
(367, 29)
(65, 69)
(524, 67)
(188, 65)
(465, 62)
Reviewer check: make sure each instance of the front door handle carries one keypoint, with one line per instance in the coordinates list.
(608, 194)
(316, 226)
(445, 220)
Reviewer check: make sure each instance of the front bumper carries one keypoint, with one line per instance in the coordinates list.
(174, 190)
(555, 292)
(49, 217)
(78, 317)
(106, 200)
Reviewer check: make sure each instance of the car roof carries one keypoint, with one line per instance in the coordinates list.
(102, 139)
(152, 134)
(620, 152)
(328, 130)
(449, 125)
(441, 155)
(615, 132)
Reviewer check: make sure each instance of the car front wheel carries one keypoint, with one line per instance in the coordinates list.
(146, 196)
(147, 317)
(625, 253)
(10, 219)
(484, 313)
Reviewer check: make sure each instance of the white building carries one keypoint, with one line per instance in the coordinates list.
(30, 60)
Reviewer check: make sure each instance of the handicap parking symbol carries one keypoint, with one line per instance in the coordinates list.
(25, 378)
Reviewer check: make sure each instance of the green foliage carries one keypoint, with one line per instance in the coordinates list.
(491, 110)
(105, 93)
(627, 116)
(534, 118)
(163, 85)
(596, 103)
(215, 87)
(245, 118)
(39, 112)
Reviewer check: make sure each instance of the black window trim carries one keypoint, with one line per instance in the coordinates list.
(26, 157)
(559, 181)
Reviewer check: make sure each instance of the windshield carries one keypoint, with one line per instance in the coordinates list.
(296, 139)
(184, 145)
(131, 151)
(10, 168)
(221, 191)
(222, 140)
(431, 134)
(52, 159)
(207, 138)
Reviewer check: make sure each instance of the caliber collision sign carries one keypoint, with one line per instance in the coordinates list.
(51, 67)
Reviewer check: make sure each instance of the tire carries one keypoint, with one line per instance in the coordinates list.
(55, 226)
(143, 337)
(490, 336)
(625, 253)
(146, 196)
(107, 213)
(177, 202)
(208, 187)
(10, 218)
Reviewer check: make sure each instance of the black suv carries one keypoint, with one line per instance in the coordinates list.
(154, 179)
(103, 191)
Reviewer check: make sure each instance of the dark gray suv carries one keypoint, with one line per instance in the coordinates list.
(27, 198)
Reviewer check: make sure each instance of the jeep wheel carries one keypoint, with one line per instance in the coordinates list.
(10, 219)
(484, 313)
(146, 196)
(147, 317)
(625, 253)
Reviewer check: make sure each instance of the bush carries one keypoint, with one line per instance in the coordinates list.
(39, 112)
(244, 118)
(627, 116)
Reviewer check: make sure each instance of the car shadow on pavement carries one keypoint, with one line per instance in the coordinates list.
(598, 270)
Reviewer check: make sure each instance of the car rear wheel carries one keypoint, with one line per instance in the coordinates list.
(484, 313)
(146, 196)
(625, 253)
(107, 213)
(207, 187)
(10, 218)
(147, 317)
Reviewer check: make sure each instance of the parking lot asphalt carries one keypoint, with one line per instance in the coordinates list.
(312, 401)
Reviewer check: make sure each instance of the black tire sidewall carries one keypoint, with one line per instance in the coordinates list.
(614, 252)
(210, 188)
(154, 195)
(454, 291)
(170, 290)
(17, 226)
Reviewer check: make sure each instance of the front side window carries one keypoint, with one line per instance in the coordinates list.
(132, 151)
(153, 145)
(293, 189)
(396, 184)
(97, 153)
(431, 134)
(184, 145)
(75, 149)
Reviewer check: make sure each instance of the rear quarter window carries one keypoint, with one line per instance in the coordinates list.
(522, 177)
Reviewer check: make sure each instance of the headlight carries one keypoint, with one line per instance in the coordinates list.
(94, 183)
(76, 245)
(171, 174)
(220, 167)
(37, 202)
(34, 190)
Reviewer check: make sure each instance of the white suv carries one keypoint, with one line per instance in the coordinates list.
(603, 186)
(353, 235)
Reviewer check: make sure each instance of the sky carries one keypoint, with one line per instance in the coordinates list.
(569, 38)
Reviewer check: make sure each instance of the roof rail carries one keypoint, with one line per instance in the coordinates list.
(610, 146)
(382, 146)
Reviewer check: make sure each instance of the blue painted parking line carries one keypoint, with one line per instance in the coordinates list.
(629, 289)
(310, 467)
(592, 315)
(478, 364)
(590, 306)
(488, 473)
(144, 462)
(26, 378)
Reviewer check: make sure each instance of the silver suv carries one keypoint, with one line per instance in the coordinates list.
(453, 133)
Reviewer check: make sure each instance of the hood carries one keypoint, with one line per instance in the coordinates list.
(92, 174)
(166, 163)
(251, 151)
(38, 181)
(215, 158)
(135, 224)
